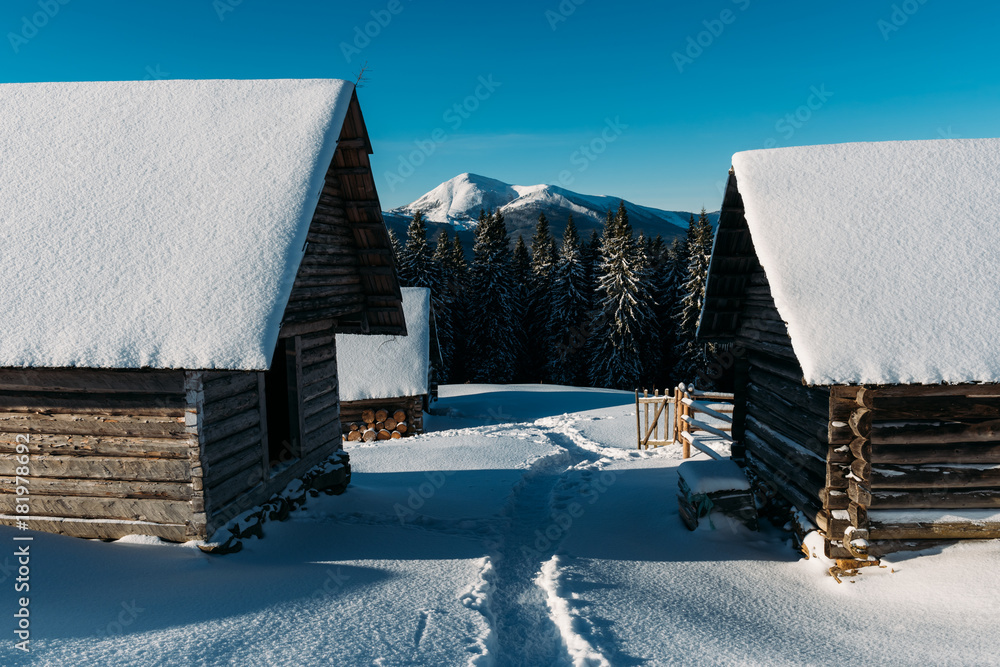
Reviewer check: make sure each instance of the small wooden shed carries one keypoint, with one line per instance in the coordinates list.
(177, 259)
(391, 373)
(857, 288)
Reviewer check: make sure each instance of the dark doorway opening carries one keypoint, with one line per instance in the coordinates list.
(280, 391)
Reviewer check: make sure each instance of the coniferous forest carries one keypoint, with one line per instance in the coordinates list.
(616, 310)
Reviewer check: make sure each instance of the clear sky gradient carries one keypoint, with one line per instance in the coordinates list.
(642, 100)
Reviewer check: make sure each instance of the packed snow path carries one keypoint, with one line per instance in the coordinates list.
(522, 529)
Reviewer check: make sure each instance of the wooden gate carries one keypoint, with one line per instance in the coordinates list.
(678, 414)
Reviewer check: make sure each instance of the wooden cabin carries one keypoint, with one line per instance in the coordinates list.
(389, 373)
(855, 288)
(178, 257)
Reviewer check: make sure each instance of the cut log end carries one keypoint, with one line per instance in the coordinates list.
(381, 415)
(368, 416)
(384, 435)
(369, 435)
(402, 427)
(396, 435)
(354, 436)
(399, 416)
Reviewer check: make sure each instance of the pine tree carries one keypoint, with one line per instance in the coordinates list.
(458, 271)
(397, 250)
(668, 285)
(415, 266)
(522, 290)
(690, 354)
(568, 327)
(535, 303)
(591, 263)
(625, 324)
(492, 346)
(445, 300)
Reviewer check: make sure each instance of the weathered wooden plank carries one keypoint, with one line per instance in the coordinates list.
(915, 433)
(82, 445)
(808, 431)
(318, 372)
(228, 385)
(164, 405)
(318, 354)
(811, 400)
(220, 449)
(92, 380)
(321, 402)
(229, 407)
(322, 419)
(94, 467)
(97, 425)
(804, 478)
(226, 468)
(935, 390)
(792, 451)
(215, 431)
(108, 529)
(779, 367)
(885, 476)
(86, 507)
(913, 454)
(934, 498)
(882, 529)
(55, 486)
(936, 407)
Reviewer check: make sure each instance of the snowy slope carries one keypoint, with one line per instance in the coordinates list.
(522, 529)
(456, 203)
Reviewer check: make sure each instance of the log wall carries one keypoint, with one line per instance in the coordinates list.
(915, 450)
(110, 452)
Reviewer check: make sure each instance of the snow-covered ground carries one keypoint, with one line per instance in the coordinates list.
(523, 529)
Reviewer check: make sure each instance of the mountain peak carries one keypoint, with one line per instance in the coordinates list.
(455, 204)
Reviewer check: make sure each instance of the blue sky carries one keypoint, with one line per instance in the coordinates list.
(642, 100)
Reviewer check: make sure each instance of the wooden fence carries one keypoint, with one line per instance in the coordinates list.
(685, 404)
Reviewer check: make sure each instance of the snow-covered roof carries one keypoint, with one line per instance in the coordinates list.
(157, 223)
(883, 258)
(388, 366)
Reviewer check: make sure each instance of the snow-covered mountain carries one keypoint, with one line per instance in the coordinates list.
(456, 204)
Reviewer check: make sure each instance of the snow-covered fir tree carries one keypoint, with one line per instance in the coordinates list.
(416, 269)
(568, 326)
(537, 302)
(522, 310)
(689, 352)
(397, 249)
(668, 283)
(625, 320)
(491, 336)
(458, 273)
(445, 300)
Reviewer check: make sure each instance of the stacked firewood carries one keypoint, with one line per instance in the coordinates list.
(378, 425)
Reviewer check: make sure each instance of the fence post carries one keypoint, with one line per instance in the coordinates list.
(638, 429)
(685, 445)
